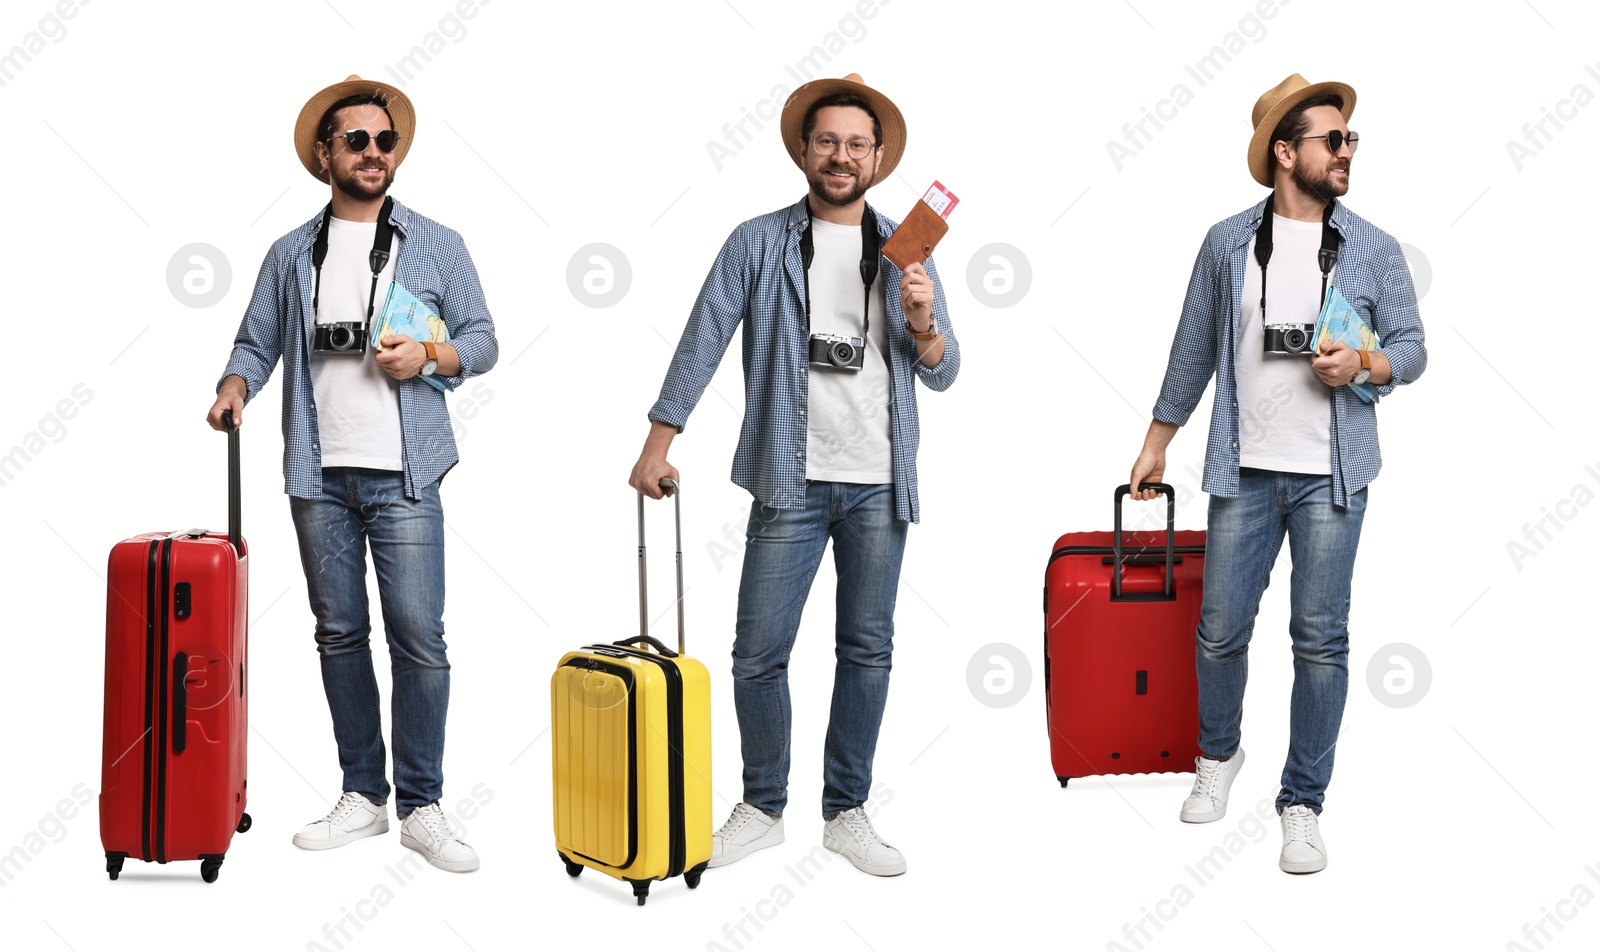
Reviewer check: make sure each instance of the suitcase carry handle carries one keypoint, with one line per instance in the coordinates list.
(180, 702)
(667, 482)
(1167, 592)
(660, 648)
(233, 483)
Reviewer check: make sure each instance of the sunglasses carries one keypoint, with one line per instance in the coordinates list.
(1335, 139)
(357, 139)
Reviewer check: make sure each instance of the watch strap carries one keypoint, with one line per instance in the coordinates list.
(929, 334)
(433, 352)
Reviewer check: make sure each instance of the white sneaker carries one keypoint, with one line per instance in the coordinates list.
(427, 830)
(1303, 851)
(1212, 779)
(851, 835)
(352, 818)
(748, 829)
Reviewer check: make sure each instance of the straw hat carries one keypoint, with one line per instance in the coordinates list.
(305, 125)
(889, 119)
(1274, 104)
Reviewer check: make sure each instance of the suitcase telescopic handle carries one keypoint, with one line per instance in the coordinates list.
(667, 482)
(1116, 543)
(234, 493)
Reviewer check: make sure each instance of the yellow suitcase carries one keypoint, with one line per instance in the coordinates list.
(631, 752)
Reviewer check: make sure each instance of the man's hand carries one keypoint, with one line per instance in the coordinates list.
(1151, 464)
(1148, 468)
(229, 397)
(648, 473)
(1336, 365)
(916, 298)
(401, 357)
(652, 465)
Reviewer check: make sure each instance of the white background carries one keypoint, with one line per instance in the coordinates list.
(1451, 823)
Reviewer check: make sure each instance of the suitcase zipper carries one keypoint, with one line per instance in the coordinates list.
(164, 695)
(678, 848)
(1106, 550)
(151, 574)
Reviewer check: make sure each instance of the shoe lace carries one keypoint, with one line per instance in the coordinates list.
(1300, 822)
(861, 828)
(742, 814)
(435, 822)
(1206, 776)
(347, 805)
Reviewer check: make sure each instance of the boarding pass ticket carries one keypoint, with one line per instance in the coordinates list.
(940, 199)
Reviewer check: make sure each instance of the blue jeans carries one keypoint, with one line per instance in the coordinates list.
(358, 508)
(783, 550)
(1244, 533)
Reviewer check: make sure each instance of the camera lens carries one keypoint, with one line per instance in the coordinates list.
(841, 354)
(339, 338)
(1294, 340)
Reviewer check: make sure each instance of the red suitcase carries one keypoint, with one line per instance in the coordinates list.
(172, 781)
(1119, 647)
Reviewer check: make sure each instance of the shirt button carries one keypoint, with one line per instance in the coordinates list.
(1236, 446)
(800, 455)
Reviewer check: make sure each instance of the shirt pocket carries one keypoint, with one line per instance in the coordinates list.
(1359, 285)
(424, 280)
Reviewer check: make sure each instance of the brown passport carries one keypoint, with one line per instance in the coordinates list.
(916, 237)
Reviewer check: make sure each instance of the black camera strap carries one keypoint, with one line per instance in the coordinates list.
(1327, 255)
(382, 238)
(870, 246)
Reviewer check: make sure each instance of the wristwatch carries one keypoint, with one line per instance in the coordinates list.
(1366, 367)
(929, 334)
(432, 363)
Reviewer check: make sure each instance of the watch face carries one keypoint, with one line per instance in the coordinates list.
(1362, 376)
(429, 367)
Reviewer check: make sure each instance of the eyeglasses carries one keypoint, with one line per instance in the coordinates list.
(1335, 139)
(857, 147)
(357, 139)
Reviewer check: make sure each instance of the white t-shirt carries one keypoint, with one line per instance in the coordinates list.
(358, 405)
(847, 418)
(1283, 406)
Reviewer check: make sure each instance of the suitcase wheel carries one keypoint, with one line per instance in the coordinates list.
(692, 877)
(1063, 780)
(244, 823)
(573, 869)
(641, 889)
(114, 864)
(209, 867)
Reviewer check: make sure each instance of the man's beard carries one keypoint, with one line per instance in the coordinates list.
(819, 183)
(1321, 187)
(353, 186)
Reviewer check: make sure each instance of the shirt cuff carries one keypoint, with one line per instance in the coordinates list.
(670, 412)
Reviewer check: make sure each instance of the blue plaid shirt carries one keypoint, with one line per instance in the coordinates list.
(1373, 277)
(432, 263)
(758, 279)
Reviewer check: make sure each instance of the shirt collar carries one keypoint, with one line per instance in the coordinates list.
(399, 217)
(797, 216)
(1340, 220)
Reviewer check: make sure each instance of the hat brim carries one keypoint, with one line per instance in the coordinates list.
(1260, 155)
(889, 120)
(401, 113)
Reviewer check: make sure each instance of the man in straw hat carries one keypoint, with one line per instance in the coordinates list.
(367, 441)
(835, 339)
(1292, 448)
